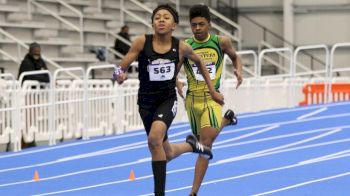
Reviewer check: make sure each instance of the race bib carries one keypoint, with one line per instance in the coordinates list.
(161, 71)
(211, 69)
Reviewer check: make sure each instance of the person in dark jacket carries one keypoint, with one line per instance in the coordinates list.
(33, 62)
(120, 46)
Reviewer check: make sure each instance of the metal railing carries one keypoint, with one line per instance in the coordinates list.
(255, 61)
(300, 49)
(274, 50)
(8, 55)
(12, 127)
(53, 103)
(267, 31)
(253, 73)
(135, 16)
(112, 50)
(22, 44)
(28, 134)
(79, 29)
(272, 91)
(297, 63)
(236, 38)
(332, 70)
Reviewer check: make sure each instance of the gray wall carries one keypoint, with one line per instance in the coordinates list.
(327, 21)
(314, 22)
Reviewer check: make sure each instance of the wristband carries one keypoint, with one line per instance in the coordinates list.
(117, 71)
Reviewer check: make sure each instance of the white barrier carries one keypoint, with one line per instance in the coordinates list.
(332, 69)
(255, 61)
(84, 108)
(125, 108)
(35, 109)
(100, 106)
(317, 72)
(8, 111)
(69, 122)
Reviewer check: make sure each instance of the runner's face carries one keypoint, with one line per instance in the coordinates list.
(163, 22)
(200, 28)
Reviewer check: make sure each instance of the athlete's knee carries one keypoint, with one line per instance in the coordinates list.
(154, 143)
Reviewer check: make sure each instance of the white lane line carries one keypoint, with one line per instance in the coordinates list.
(148, 159)
(247, 135)
(121, 148)
(326, 159)
(83, 142)
(242, 176)
(327, 117)
(285, 146)
(223, 133)
(304, 183)
(65, 159)
(172, 127)
(295, 133)
(312, 113)
(72, 158)
(237, 158)
(210, 165)
(272, 124)
(217, 147)
(141, 146)
(340, 153)
(293, 109)
(124, 147)
(94, 186)
(78, 143)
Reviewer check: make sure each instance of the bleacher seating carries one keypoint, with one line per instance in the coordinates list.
(61, 43)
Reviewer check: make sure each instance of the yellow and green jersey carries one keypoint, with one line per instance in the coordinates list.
(212, 56)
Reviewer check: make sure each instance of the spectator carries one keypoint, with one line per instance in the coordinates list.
(33, 62)
(119, 45)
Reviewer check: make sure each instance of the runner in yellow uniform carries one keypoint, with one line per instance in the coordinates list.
(203, 112)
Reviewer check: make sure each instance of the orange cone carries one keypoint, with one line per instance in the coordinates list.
(36, 176)
(132, 175)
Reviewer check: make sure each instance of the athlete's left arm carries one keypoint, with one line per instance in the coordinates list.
(227, 48)
(186, 51)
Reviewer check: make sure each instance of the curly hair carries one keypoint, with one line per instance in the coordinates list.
(200, 10)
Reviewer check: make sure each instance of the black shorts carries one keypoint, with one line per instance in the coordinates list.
(164, 111)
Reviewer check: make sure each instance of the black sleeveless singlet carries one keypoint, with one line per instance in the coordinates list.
(157, 72)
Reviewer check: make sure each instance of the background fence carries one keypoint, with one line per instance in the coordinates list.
(84, 108)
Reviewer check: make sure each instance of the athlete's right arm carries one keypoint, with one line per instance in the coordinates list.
(134, 51)
(179, 86)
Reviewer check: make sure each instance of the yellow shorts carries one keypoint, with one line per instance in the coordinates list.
(203, 111)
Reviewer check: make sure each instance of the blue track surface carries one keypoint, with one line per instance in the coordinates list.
(299, 151)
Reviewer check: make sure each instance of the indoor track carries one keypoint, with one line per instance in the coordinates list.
(298, 151)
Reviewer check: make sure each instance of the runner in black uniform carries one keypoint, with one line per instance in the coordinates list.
(157, 99)
(160, 58)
